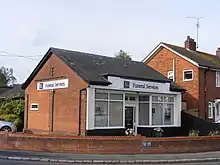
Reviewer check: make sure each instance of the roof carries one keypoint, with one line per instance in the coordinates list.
(3, 89)
(12, 92)
(94, 69)
(202, 59)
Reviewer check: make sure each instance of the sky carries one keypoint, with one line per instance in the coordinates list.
(30, 28)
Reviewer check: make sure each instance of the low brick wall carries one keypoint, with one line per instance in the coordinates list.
(108, 145)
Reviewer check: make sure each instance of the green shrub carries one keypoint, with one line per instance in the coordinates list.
(193, 132)
(13, 111)
(214, 133)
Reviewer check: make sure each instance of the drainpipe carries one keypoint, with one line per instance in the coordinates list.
(174, 74)
(80, 97)
(205, 93)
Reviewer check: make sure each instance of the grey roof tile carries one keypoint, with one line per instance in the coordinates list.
(94, 68)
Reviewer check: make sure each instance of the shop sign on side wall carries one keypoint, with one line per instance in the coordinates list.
(53, 84)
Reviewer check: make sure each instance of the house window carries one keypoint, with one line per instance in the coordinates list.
(170, 75)
(217, 79)
(210, 110)
(34, 107)
(187, 75)
(108, 109)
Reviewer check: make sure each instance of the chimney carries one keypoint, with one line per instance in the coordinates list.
(218, 52)
(190, 44)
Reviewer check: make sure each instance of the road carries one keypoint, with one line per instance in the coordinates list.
(11, 162)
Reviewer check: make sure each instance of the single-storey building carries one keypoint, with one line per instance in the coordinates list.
(86, 94)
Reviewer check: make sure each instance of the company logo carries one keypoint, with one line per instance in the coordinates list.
(126, 84)
(41, 85)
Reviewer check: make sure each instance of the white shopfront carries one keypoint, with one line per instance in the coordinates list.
(132, 104)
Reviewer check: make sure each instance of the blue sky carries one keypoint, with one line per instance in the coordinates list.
(29, 28)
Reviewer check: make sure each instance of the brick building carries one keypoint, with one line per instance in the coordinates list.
(86, 94)
(198, 72)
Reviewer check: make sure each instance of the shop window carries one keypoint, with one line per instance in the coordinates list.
(101, 96)
(210, 110)
(162, 110)
(115, 113)
(144, 98)
(144, 113)
(34, 107)
(101, 113)
(114, 96)
(108, 109)
(187, 75)
(144, 109)
(130, 97)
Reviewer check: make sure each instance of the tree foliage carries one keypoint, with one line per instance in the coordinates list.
(13, 111)
(123, 55)
(6, 77)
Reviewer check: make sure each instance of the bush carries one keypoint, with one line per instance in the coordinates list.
(193, 132)
(158, 132)
(214, 133)
(13, 111)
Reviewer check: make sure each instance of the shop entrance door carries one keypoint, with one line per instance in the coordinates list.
(130, 118)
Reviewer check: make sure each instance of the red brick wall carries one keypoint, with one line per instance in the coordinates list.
(108, 145)
(66, 101)
(163, 61)
(208, 91)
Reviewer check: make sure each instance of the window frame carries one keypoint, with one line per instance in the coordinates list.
(34, 109)
(217, 76)
(159, 102)
(187, 70)
(210, 116)
(108, 100)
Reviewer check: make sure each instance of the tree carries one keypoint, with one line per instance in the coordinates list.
(13, 111)
(123, 55)
(6, 77)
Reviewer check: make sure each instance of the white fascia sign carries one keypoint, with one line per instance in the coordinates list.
(53, 84)
(141, 86)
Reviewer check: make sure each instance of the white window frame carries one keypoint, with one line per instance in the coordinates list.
(210, 114)
(34, 109)
(170, 74)
(217, 78)
(150, 110)
(108, 102)
(189, 70)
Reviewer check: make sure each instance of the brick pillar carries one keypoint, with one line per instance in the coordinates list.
(51, 111)
(83, 113)
(26, 111)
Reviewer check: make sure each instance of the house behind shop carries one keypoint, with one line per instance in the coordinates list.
(196, 71)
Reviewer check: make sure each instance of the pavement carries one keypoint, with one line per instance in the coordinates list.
(45, 157)
(14, 162)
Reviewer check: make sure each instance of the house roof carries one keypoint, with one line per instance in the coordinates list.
(201, 59)
(3, 89)
(94, 69)
(12, 92)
